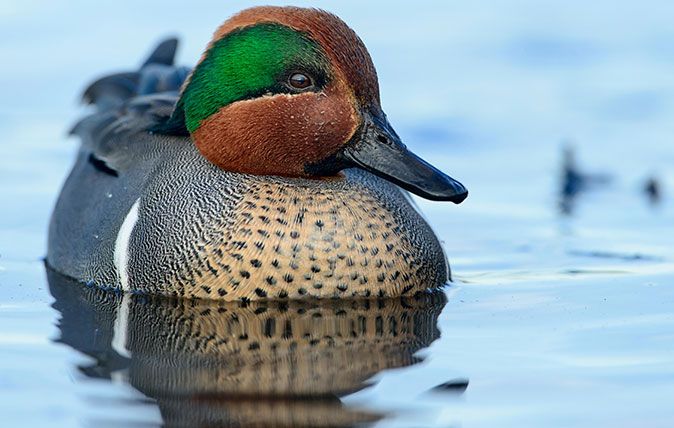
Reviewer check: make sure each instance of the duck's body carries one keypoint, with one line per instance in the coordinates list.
(193, 229)
(149, 211)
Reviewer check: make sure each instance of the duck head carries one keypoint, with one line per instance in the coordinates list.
(293, 92)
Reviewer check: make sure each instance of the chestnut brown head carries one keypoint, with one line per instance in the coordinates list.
(293, 92)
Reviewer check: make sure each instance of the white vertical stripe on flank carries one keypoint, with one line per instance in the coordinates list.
(121, 255)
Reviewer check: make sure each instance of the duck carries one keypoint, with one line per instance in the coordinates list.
(267, 171)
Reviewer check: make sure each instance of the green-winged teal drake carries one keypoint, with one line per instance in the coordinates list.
(267, 171)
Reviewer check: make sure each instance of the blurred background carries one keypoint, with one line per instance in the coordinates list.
(557, 116)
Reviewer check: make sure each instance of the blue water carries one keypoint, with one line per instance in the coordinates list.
(553, 320)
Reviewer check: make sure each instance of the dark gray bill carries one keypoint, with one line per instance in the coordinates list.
(377, 148)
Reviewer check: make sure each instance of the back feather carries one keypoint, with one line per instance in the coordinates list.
(128, 103)
(157, 74)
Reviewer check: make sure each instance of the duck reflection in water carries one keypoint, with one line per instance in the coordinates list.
(265, 363)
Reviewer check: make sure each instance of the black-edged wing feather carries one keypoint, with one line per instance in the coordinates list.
(164, 53)
(157, 74)
(109, 136)
(130, 105)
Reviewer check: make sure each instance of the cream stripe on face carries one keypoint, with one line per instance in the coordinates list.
(121, 255)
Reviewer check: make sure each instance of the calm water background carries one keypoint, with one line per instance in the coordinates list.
(555, 320)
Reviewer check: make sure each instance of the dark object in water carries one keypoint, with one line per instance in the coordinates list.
(454, 386)
(613, 255)
(653, 190)
(575, 182)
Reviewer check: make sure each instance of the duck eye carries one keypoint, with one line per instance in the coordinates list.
(300, 81)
